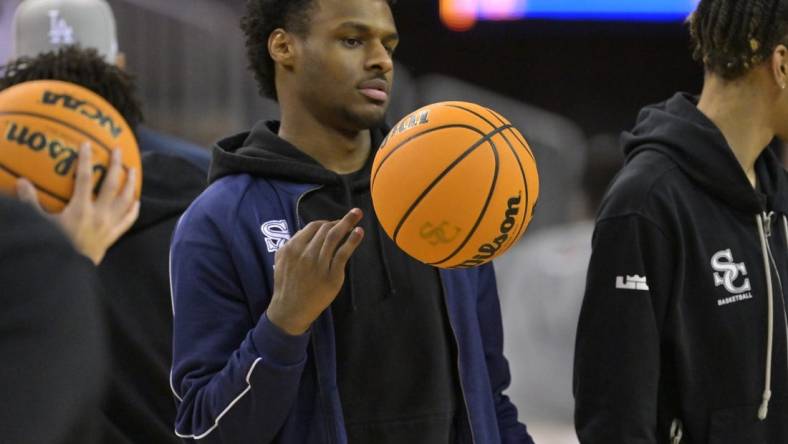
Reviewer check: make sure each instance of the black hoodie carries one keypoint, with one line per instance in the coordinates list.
(52, 340)
(674, 338)
(390, 303)
(139, 407)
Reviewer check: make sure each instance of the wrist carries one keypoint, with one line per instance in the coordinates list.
(95, 255)
(284, 322)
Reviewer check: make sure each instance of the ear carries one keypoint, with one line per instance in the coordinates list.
(281, 47)
(120, 61)
(780, 66)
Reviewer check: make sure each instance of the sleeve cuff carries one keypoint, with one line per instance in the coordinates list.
(278, 346)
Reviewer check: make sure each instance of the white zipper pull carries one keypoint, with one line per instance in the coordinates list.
(767, 223)
(676, 431)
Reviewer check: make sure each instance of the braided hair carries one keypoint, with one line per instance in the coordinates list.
(731, 36)
(261, 19)
(84, 67)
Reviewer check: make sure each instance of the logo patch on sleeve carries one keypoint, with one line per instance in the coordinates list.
(628, 282)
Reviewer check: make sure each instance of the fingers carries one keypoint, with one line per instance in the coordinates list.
(123, 201)
(83, 182)
(337, 233)
(26, 192)
(109, 189)
(125, 222)
(346, 250)
(302, 238)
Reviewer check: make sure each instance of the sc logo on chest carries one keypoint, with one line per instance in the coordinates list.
(276, 234)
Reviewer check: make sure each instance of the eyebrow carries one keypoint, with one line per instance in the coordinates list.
(362, 28)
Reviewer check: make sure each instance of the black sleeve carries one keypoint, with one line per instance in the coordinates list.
(52, 350)
(617, 355)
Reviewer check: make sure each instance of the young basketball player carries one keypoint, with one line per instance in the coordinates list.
(296, 319)
(682, 334)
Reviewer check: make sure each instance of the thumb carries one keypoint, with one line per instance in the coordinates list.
(26, 192)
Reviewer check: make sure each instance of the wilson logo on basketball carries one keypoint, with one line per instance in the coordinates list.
(62, 155)
(84, 108)
(488, 250)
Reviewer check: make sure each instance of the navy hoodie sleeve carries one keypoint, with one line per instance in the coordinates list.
(235, 377)
(617, 355)
(489, 309)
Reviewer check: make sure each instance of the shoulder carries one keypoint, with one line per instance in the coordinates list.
(646, 183)
(233, 203)
(166, 174)
(155, 142)
(221, 199)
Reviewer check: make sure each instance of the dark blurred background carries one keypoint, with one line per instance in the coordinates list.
(189, 59)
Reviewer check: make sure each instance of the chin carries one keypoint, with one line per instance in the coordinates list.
(366, 118)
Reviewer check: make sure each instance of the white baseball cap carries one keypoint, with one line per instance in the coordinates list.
(46, 25)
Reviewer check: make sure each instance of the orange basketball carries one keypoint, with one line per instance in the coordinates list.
(454, 184)
(42, 125)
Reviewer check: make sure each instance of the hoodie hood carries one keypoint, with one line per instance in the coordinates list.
(677, 129)
(262, 152)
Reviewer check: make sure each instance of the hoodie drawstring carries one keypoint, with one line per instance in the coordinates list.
(763, 411)
(785, 229)
(392, 290)
(350, 269)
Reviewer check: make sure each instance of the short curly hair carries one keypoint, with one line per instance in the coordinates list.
(261, 19)
(731, 36)
(84, 67)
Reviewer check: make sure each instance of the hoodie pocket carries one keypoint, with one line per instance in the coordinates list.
(740, 425)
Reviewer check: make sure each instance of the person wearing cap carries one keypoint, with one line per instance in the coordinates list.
(45, 25)
(77, 46)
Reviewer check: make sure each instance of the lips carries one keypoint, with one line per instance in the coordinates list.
(375, 89)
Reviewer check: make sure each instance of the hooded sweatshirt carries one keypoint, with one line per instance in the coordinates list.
(405, 353)
(682, 335)
(386, 394)
(135, 278)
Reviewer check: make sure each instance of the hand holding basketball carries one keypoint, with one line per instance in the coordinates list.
(310, 270)
(93, 226)
(42, 125)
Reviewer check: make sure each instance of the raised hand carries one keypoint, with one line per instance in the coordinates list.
(310, 270)
(93, 226)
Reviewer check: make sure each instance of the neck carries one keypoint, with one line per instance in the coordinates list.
(342, 152)
(740, 112)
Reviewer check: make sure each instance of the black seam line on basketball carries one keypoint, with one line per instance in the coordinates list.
(522, 142)
(500, 120)
(66, 124)
(525, 187)
(486, 202)
(432, 185)
(43, 190)
(475, 114)
(396, 148)
(522, 174)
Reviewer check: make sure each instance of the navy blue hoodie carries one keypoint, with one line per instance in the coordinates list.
(237, 377)
(683, 329)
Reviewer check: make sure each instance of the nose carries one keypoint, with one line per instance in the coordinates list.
(379, 58)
